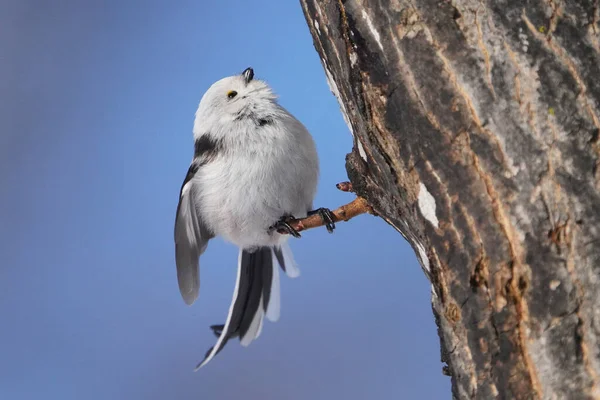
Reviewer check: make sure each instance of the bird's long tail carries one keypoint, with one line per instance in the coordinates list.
(255, 296)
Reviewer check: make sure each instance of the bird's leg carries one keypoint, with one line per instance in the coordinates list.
(326, 216)
(283, 226)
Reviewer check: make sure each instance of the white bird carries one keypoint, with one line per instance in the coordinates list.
(255, 166)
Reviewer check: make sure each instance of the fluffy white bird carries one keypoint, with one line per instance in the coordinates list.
(255, 166)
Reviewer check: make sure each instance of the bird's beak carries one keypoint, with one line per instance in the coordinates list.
(248, 74)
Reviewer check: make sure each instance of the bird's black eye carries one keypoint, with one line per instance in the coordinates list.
(231, 94)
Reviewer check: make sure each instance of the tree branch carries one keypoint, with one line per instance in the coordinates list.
(346, 212)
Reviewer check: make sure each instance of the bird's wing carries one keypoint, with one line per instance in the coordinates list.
(191, 238)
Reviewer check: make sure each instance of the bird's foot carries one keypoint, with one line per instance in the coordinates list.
(283, 226)
(327, 217)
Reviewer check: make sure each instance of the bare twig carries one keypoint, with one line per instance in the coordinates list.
(346, 212)
(345, 186)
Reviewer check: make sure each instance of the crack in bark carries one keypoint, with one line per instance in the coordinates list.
(561, 54)
(553, 22)
(580, 293)
(516, 255)
(524, 97)
(470, 105)
(513, 59)
(486, 55)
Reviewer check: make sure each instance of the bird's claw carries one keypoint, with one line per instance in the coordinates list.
(283, 226)
(327, 217)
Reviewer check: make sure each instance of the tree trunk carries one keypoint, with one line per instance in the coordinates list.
(476, 128)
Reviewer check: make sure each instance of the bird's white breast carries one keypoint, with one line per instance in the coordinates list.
(246, 189)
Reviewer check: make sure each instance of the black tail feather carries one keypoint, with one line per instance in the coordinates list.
(280, 258)
(255, 280)
(256, 263)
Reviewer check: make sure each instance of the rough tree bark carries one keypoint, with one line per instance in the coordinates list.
(476, 127)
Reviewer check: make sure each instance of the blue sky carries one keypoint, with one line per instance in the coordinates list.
(97, 101)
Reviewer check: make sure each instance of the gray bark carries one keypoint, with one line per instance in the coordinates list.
(476, 127)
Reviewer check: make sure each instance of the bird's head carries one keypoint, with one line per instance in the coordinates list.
(234, 98)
